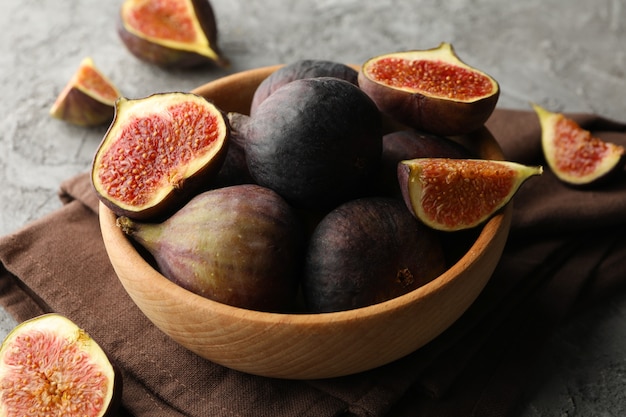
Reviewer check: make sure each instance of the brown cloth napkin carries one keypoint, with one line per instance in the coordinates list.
(565, 251)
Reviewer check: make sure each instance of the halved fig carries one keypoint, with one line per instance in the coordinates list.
(455, 194)
(88, 98)
(431, 90)
(158, 152)
(51, 367)
(171, 33)
(573, 154)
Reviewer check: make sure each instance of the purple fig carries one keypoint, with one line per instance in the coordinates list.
(239, 245)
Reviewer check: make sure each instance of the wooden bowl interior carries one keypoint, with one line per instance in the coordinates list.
(306, 346)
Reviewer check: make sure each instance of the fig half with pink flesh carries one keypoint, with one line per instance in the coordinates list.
(158, 152)
(573, 154)
(50, 366)
(455, 194)
(88, 98)
(431, 90)
(171, 33)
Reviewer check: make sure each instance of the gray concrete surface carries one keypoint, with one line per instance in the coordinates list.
(567, 55)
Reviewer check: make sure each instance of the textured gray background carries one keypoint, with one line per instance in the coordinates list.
(566, 55)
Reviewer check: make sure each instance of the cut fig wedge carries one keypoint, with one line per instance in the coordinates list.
(431, 90)
(456, 194)
(158, 152)
(573, 154)
(88, 98)
(51, 367)
(171, 33)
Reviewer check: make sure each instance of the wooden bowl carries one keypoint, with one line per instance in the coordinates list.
(306, 346)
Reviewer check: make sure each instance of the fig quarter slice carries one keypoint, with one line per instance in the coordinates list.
(88, 98)
(431, 90)
(171, 33)
(51, 367)
(573, 154)
(455, 194)
(158, 152)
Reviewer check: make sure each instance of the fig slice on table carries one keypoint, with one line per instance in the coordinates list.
(171, 33)
(50, 366)
(158, 152)
(573, 154)
(88, 98)
(431, 90)
(455, 194)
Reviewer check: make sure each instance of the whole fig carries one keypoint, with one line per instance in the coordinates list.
(316, 141)
(367, 251)
(239, 245)
(304, 68)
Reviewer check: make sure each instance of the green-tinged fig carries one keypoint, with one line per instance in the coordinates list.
(51, 367)
(455, 194)
(238, 245)
(305, 68)
(88, 99)
(315, 141)
(407, 144)
(573, 154)
(431, 90)
(171, 33)
(367, 251)
(158, 152)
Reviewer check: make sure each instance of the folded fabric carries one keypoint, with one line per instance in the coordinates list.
(565, 250)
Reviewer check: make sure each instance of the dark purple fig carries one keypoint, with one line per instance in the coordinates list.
(305, 68)
(239, 245)
(171, 33)
(234, 170)
(410, 144)
(316, 141)
(367, 251)
(51, 367)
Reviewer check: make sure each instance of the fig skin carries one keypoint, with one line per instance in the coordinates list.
(408, 144)
(181, 184)
(302, 69)
(240, 245)
(179, 56)
(430, 113)
(42, 329)
(234, 169)
(402, 254)
(316, 141)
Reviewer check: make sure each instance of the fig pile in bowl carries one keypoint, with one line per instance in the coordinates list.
(303, 218)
